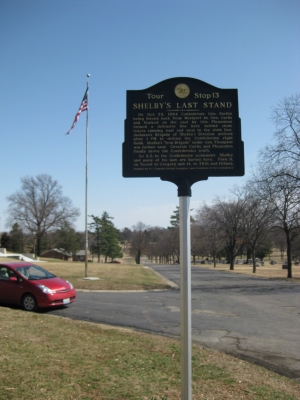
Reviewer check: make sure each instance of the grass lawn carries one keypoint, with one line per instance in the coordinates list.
(48, 357)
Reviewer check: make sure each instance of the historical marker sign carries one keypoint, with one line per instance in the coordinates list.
(182, 127)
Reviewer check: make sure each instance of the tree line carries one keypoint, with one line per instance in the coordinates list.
(41, 218)
(104, 239)
(17, 240)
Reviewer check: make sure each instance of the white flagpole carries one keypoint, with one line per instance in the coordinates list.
(86, 180)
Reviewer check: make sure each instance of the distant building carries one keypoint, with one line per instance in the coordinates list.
(60, 254)
(80, 255)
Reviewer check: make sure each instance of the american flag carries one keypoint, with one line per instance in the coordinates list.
(83, 107)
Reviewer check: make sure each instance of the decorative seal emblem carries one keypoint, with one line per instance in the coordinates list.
(182, 90)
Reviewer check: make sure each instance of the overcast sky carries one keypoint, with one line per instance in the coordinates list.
(48, 47)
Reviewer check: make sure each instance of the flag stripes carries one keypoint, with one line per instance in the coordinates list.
(83, 107)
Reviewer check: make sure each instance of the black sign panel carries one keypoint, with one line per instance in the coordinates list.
(182, 128)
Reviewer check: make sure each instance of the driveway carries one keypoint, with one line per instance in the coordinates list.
(252, 318)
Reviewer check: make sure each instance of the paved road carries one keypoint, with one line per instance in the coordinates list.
(252, 318)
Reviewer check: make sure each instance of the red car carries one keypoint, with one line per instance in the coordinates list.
(33, 287)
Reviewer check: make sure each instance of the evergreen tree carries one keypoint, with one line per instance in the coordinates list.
(174, 219)
(95, 228)
(6, 241)
(17, 239)
(68, 239)
(105, 237)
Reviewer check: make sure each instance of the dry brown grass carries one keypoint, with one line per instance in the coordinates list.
(124, 276)
(78, 360)
(61, 359)
(267, 271)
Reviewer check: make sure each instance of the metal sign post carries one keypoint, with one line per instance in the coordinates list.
(185, 298)
(184, 194)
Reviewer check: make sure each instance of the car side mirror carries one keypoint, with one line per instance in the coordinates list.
(13, 279)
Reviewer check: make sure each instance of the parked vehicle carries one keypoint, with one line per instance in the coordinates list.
(33, 287)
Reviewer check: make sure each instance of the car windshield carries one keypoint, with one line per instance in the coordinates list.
(34, 272)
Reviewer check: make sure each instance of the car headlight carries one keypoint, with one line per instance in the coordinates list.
(71, 286)
(45, 289)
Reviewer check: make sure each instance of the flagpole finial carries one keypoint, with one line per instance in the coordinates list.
(88, 75)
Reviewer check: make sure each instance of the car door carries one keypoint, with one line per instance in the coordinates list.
(10, 290)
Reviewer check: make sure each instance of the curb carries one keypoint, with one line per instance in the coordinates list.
(167, 281)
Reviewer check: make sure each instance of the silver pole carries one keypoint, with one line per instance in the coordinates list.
(185, 298)
(86, 182)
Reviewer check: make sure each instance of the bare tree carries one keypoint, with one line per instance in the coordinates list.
(286, 150)
(155, 235)
(278, 177)
(164, 244)
(255, 222)
(227, 215)
(139, 241)
(211, 239)
(282, 193)
(171, 245)
(279, 240)
(197, 242)
(40, 207)
(296, 249)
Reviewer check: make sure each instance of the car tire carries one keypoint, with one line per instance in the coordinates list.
(29, 302)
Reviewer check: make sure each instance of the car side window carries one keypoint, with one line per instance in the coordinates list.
(4, 276)
(11, 274)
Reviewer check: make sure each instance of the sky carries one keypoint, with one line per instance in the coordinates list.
(49, 47)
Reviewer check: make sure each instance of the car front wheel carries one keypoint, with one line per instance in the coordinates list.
(29, 303)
